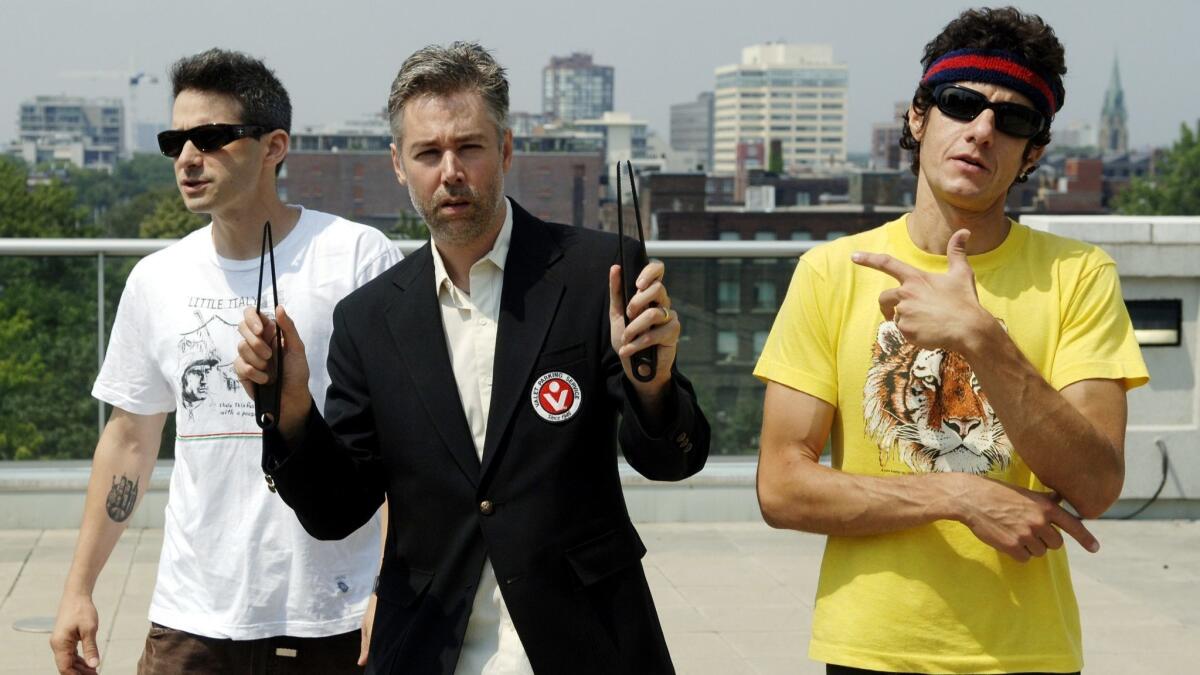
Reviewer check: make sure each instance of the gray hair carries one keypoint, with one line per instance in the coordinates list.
(441, 71)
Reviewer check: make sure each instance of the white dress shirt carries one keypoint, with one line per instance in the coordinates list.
(491, 645)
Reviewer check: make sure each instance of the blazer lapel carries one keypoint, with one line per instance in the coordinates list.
(415, 322)
(527, 306)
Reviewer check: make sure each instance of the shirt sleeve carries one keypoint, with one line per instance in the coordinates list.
(799, 351)
(380, 254)
(130, 377)
(1097, 336)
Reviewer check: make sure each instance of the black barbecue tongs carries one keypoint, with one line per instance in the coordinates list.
(645, 362)
(266, 396)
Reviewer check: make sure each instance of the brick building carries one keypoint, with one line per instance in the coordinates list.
(562, 187)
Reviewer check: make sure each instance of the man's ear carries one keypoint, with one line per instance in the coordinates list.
(916, 123)
(277, 147)
(398, 166)
(506, 149)
(1032, 157)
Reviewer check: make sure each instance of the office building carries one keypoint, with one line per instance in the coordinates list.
(573, 87)
(793, 93)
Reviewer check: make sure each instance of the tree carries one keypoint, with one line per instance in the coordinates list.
(410, 226)
(170, 218)
(1174, 189)
(775, 161)
(47, 325)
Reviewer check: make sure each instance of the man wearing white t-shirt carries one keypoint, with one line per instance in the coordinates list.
(241, 586)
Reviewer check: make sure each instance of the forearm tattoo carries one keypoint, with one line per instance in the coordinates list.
(121, 498)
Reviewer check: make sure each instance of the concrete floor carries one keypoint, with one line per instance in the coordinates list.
(733, 597)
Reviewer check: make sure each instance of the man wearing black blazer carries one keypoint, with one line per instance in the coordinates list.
(477, 386)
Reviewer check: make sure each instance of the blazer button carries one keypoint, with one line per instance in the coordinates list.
(486, 507)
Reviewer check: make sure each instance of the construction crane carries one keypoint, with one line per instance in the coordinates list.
(134, 79)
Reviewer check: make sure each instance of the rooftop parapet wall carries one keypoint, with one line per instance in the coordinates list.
(1158, 258)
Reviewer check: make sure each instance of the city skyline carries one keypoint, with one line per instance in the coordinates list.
(662, 54)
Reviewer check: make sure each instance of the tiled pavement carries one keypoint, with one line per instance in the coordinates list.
(734, 597)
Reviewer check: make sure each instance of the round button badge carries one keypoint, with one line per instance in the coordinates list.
(555, 396)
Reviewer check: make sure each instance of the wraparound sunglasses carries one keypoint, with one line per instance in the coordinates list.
(965, 104)
(206, 137)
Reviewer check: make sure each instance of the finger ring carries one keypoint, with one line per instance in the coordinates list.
(666, 313)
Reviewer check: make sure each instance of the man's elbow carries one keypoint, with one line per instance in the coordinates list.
(1106, 489)
(778, 509)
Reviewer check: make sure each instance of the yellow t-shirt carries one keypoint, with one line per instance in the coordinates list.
(935, 599)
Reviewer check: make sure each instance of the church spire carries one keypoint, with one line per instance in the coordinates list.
(1114, 137)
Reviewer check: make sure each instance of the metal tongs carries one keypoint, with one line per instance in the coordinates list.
(645, 362)
(267, 396)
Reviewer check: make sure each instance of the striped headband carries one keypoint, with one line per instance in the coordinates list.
(998, 67)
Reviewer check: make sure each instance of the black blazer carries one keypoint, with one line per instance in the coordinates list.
(545, 504)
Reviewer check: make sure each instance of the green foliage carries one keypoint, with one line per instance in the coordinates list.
(736, 423)
(169, 219)
(47, 325)
(48, 341)
(410, 226)
(1174, 189)
(775, 162)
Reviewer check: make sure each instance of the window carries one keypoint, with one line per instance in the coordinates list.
(728, 295)
(727, 345)
(764, 235)
(764, 296)
(729, 236)
(1156, 323)
(834, 234)
(760, 341)
(802, 235)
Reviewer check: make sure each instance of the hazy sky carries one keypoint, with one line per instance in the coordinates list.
(337, 59)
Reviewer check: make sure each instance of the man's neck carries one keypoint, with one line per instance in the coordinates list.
(458, 258)
(237, 233)
(934, 220)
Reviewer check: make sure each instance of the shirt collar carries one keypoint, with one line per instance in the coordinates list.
(497, 256)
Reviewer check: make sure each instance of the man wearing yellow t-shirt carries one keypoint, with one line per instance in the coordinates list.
(971, 373)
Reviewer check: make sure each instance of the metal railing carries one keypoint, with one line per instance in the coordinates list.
(100, 249)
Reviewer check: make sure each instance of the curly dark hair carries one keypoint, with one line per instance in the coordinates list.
(1006, 28)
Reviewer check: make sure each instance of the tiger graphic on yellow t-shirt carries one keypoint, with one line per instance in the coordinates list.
(926, 406)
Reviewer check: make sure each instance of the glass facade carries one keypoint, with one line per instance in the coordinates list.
(575, 88)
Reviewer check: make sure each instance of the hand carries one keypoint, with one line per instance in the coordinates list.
(368, 622)
(1020, 522)
(933, 311)
(254, 358)
(651, 322)
(76, 622)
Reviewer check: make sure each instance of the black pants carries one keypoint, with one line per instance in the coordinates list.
(831, 669)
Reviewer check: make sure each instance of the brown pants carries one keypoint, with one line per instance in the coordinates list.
(170, 652)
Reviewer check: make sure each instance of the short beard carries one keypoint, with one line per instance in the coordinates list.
(459, 232)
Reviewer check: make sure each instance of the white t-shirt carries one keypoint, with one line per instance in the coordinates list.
(236, 562)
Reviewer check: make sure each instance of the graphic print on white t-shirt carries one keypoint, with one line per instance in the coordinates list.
(208, 386)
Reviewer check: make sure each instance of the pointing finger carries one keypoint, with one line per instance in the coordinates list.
(887, 264)
(1075, 527)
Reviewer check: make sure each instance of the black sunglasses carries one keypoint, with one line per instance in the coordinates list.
(965, 104)
(207, 137)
